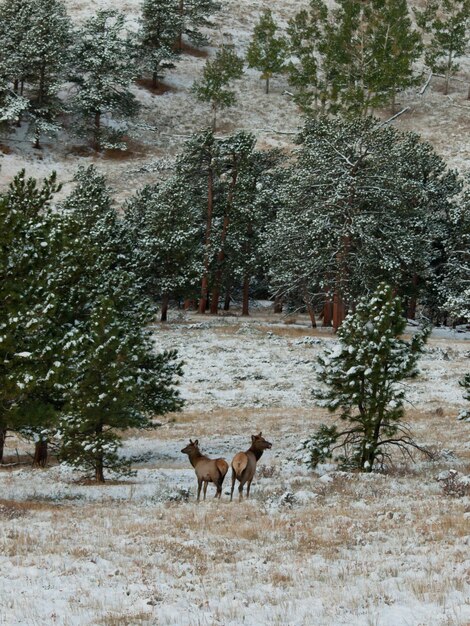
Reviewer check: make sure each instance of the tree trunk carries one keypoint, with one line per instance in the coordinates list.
(267, 85)
(468, 92)
(3, 436)
(214, 118)
(179, 43)
(311, 312)
(246, 295)
(327, 312)
(97, 131)
(278, 304)
(165, 302)
(40, 454)
(154, 80)
(205, 277)
(227, 300)
(339, 310)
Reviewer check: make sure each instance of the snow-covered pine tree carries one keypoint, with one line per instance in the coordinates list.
(14, 20)
(306, 32)
(217, 75)
(362, 204)
(267, 52)
(362, 379)
(194, 15)
(30, 363)
(160, 28)
(447, 23)
(116, 380)
(46, 50)
(103, 69)
(165, 233)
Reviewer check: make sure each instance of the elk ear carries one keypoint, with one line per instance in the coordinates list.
(191, 441)
(253, 437)
(196, 442)
(260, 434)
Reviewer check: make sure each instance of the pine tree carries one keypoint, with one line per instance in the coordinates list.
(368, 54)
(306, 32)
(103, 70)
(165, 234)
(447, 22)
(14, 24)
(194, 15)
(116, 380)
(30, 364)
(266, 52)
(160, 27)
(363, 203)
(46, 49)
(216, 77)
(34, 46)
(362, 380)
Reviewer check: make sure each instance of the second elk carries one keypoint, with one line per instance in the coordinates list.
(244, 464)
(207, 470)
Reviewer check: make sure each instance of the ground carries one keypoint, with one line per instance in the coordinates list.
(322, 547)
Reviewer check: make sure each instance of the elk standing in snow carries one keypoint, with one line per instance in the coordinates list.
(207, 470)
(244, 464)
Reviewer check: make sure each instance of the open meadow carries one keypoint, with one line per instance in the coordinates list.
(322, 547)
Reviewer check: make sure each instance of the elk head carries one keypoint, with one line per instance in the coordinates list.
(191, 447)
(260, 443)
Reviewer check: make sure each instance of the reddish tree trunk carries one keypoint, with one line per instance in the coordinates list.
(311, 312)
(411, 309)
(327, 312)
(339, 310)
(3, 436)
(246, 296)
(227, 300)
(165, 302)
(40, 454)
(278, 304)
(205, 277)
(97, 130)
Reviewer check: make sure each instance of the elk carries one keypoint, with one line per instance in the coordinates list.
(244, 464)
(207, 470)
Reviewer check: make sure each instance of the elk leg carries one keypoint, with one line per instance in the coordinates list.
(199, 485)
(240, 491)
(205, 488)
(234, 478)
(248, 485)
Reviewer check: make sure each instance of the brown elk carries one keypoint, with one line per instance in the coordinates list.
(244, 464)
(207, 470)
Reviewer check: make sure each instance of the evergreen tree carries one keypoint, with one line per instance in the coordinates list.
(46, 54)
(14, 24)
(194, 15)
(216, 77)
(306, 32)
(30, 363)
(362, 379)
(160, 27)
(103, 70)
(363, 204)
(368, 54)
(165, 234)
(447, 22)
(116, 379)
(266, 52)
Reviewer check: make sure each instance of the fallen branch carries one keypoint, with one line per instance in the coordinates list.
(395, 116)
(426, 84)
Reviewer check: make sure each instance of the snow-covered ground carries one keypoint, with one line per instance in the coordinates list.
(324, 548)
